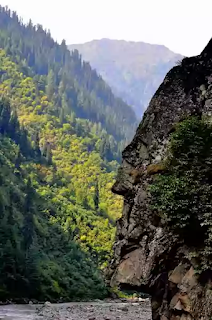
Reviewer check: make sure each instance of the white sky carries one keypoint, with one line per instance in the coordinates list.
(185, 26)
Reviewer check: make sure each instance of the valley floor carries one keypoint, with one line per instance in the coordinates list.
(78, 311)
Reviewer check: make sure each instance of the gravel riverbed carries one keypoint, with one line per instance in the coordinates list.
(78, 311)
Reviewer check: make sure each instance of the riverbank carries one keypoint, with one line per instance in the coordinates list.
(78, 311)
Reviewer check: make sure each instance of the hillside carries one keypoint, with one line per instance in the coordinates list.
(38, 259)
(61, 134)
(79, 87)
(133, 69)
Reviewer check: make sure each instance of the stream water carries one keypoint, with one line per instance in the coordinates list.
(19, 312)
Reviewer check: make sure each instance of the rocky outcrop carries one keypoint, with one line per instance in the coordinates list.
(147, 254)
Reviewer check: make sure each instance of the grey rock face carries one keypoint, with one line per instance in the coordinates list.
(146, 254)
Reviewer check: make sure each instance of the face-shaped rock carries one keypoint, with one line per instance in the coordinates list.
(147, 255)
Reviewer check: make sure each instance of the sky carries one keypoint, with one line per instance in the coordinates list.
(184, 26)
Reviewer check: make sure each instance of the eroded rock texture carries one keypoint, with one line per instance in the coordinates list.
(148, 256)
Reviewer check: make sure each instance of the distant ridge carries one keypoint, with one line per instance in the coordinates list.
(133, 69)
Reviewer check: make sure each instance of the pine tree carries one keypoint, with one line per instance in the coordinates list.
(62, 116)
(50, 84)
(18, 160)
(14, 127)
(96, 196)
(4, 115)
(24, 144)
(37, 146)
(44, 149)
(28, 227)
(49, 154)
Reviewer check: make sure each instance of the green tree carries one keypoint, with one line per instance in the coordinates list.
(28, 227)
(37, 146)
(50, 86)
(96, 196)
(4, 115)
(49, 154)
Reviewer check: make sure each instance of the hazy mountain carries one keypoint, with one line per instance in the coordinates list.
(133, 69)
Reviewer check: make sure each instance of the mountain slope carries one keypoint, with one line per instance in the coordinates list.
(133, 69)
(67, 133)
(38, 259)
(79, 87)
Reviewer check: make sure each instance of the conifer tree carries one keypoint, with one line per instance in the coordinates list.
(49, 154)
(4, 115)
(37, 146)
(96, 196)
(50, 84)
(28, 228)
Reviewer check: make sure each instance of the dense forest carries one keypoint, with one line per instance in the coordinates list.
(38, 259)
(67, 80)
(61, 135)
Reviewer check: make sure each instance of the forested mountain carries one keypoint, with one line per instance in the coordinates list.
(38, 259)
(61, 132)
(133, 69)
(70, 81)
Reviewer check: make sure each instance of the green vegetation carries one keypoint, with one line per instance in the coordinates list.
(134, 70)
(69, 82)
(38, 258)
(130, 294)
(182, 195)
(61, 133)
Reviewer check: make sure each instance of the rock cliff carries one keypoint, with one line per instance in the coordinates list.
(148, 255)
